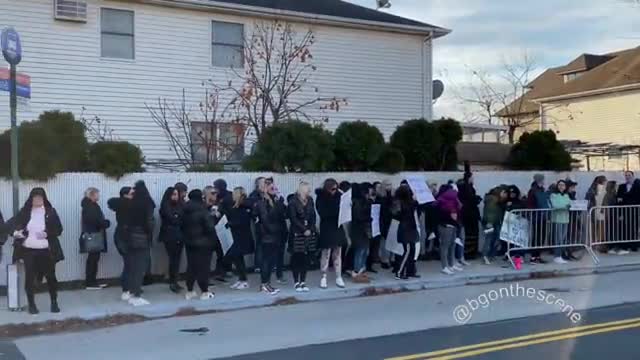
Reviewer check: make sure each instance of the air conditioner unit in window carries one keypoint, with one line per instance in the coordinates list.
(70, 10)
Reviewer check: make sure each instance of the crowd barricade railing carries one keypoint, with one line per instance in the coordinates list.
(613, 225)
(529, 230)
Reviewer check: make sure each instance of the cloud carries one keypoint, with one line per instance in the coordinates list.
(486, 32)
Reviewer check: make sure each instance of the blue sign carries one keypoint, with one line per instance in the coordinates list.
(11, 46)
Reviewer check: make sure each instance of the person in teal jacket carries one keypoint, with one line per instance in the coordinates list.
(560, 204)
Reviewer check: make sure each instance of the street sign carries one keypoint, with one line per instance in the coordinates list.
(23, 85)
(11, 46)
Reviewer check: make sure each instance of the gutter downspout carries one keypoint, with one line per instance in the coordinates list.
(427, 77)
(543, 120)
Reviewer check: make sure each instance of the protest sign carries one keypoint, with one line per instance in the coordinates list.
(224, 234)
(375, 220)
(515, 230)
(344, 214)
(420, 190)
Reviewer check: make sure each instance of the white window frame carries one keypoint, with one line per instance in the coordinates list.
(211, 43)
(100, 33)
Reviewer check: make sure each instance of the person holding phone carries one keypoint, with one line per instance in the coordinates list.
(35, 230)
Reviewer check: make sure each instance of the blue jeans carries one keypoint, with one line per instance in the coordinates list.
(360, 258)
(490, 242)
(560, 233)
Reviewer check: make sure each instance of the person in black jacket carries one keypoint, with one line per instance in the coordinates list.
(36, 230)
(198, 228)
(360, 230)
(119, 205)
(629, 195)
(384, 197)
(303, 245)
(93, 224)
(404, 210)
(470, 214)
(254, 197)
(239, 218)
(332, 237)
(271, 213)
(171, 233)
(139, 227)
(183, 191)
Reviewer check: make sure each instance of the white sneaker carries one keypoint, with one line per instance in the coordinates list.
(242, 286)
(340, 282)
(323, 282)
(304, 287)
(486, 260)
(138, 301)
(457, 268)
(126, 296)
(446, 271)
(465, 262)
(612, 252)
(559, 260)
(623, 252)
(190, 295)
(235, 285)
(298, 287)
(207, 296)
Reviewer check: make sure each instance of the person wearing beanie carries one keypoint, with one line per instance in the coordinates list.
(198, 229)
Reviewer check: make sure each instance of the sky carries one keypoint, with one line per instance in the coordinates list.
(489, 33)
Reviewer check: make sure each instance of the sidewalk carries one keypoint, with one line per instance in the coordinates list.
(89, 305)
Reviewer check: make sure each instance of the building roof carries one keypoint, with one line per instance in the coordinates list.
(321, 9)
(596, 73)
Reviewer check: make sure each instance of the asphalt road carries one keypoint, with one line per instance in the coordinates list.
(8, 351)
(602, 333)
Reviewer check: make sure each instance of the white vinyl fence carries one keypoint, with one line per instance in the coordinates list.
(66, 191)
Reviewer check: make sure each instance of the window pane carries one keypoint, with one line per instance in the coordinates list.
(117, 46)
(232, 140)
(117, 21)
(227, 56)
(227, 33)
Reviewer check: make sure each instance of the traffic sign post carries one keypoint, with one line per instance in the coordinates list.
(12, 52)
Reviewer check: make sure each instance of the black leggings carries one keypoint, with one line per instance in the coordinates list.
(269, 259)
(241, 269)
(300, 263)
(407, 266)
(174, 251)
(198, 267)
(91, 269)
(39, 261)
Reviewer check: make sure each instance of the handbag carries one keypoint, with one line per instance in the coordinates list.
(138, 239)
(93, 242)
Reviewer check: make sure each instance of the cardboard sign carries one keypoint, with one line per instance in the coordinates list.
(420, 190)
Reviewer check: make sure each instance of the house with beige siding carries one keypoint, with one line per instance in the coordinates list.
(111, 58)
(593, 101)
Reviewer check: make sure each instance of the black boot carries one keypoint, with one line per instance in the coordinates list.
(54, 306)
(33, 310)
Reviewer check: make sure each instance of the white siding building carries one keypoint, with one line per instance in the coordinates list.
(126, 54)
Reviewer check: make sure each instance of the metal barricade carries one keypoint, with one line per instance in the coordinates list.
(614, 225)
(529, 230)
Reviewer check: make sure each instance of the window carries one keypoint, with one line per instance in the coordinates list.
(572, 76)
(117, 37)
(227, 49)
(217, 142)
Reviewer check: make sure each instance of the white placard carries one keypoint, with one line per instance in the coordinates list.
(580, 205)
(375, 220)
(344, 215)
(224, 234)
(515, 230)
(392, 244)
(421, 190)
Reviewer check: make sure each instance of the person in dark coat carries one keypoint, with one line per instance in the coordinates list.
(629, 195)
(198, 228)
(36, 230)
(183, 191)
(254, 197)
(139, 225)
(119, 205)
(171, 208)
(93, 222)
(271, 213)
(538, 198)
(213, 203)
(225, 198)
(404, 210)
(332, 236)
(303, 245)
(360, 230)
(470, 213)
(240, 218)
(384, 197)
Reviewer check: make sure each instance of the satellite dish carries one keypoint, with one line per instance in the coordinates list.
(438, 89)
(383, 4)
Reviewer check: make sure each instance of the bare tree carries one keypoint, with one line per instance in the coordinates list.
(97, 129)
(274, 84)
(193, 136)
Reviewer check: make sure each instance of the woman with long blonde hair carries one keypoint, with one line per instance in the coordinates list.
(239, 217)
(303, 246)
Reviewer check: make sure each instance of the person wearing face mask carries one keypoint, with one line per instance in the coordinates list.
(597, 196)
(560, 217)
(35, 230)
(171, 209)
